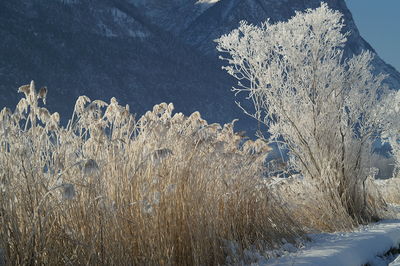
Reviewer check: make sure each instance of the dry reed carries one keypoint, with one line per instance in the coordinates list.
(109, 189)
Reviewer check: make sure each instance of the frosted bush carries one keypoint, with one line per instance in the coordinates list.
(325, 109)
(391, 130)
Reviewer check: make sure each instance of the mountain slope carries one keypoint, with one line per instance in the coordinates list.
(225, 15)
(103, 49)
(141, 51)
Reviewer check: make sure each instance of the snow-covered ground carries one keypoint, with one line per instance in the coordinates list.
(396, 262)
(368, 244)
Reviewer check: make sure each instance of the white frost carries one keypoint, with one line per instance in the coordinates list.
(210, 2)
(355, 248)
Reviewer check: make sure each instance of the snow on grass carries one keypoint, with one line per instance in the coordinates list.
(354, 248)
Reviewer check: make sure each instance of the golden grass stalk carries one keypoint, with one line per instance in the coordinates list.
(109, 189)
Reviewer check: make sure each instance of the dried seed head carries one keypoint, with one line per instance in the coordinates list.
(44, 115)
(170, 107)
(24, 89)
(110, 112)
(150, 116)
(178, 118)
(195, 116)
(202, 122)
(52, 127)
(22, 106)
(43, 94)
(248, 147)
(229, 127)
(241, 134)
(5, 116)
(163, 107)
(125, 114)
(113, 101)
(32, 86)
(32, 97)
(55, 118)
(214, 127)
(100, 103)
(5, 112)
(261, 146)
(205, 134)
(160, 109)
(92, 107)
(156, 109)
(80, 104)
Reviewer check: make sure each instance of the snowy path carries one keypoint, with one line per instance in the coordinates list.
(355, 248)
(396, 262)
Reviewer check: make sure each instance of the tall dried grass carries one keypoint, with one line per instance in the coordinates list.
(112, 189)
(314, 209)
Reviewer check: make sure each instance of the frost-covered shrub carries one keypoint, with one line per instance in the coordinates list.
(322, 106)
(391, 129)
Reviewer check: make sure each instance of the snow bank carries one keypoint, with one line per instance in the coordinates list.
(355, 248)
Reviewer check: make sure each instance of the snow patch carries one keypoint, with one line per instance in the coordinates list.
(107, 31)
(138, 34)
(205, 4)
(354, 248)
(209, 2)
(118, 14)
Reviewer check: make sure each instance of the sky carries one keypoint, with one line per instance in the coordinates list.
(379, 24)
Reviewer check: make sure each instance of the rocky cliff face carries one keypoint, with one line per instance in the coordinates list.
(226, 14)
(141, 51)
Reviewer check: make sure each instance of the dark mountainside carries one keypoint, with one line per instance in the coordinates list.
(143, 52)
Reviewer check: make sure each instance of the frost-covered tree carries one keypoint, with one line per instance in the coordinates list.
(391, 129)
(323, 106)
